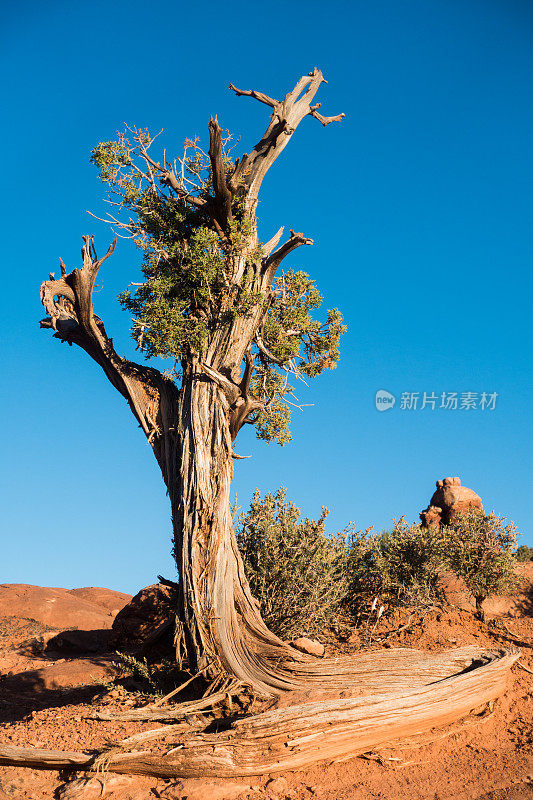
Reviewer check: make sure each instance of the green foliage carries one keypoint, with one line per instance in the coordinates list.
(184, 262)
(141, 672)
(166, 308)
(297, 573)
(524, 553)
(479, 548)
(302, 578)
(189, 291)
(401, 566)
(304, 346)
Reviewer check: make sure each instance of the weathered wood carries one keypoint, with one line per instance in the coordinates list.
(11, 756)
(297, 737)
(325, 730)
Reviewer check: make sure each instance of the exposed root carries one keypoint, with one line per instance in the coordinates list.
(389, 697)
(178, 710)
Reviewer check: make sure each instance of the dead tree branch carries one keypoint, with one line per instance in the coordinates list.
(286, 117)
(412, 692)
(272, 262)
(68, 303)
(222, 195)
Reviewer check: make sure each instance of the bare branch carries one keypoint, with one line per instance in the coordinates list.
(222, 199)
(285, 118)
(69, 305)
(263, 98)
(324, 120)
(272, 243)
(273, 261)
(168, 178)
(230, 388)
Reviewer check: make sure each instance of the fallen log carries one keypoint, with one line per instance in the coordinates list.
(11, 756)
(402, 694)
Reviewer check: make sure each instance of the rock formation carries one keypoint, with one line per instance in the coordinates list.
(449, 499)
(150, 609)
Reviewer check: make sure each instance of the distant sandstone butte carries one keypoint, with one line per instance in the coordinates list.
(449, 499)
(61, 608)
(108, 598)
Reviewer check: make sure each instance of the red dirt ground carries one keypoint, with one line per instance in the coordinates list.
(44, 702)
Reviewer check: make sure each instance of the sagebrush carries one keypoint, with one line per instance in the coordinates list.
(480, 549)
(399, 566)
(296, 572)
(303, 578)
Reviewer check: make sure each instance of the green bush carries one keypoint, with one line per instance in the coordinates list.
(302, 578)
(524, 553)
(401, 566)
(297, 573)
(479, 548)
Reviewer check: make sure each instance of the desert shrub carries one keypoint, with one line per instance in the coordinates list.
(142, 674)
(401, 566)
(296, 572)
(479, 548)
(524, 553)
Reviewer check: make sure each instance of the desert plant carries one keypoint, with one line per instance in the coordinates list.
(400, 566)
(296, 572)
(524, 553)
(479, 548)
(139, 671)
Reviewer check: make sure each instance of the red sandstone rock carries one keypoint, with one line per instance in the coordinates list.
(310, 646)
(449, 499)
(57, 608)
(142, 615)
(62, 674)
(107, 598)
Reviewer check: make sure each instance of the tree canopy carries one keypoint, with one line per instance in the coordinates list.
(172, 212)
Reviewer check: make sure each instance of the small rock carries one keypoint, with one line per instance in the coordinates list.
(63, 674)
(93, 788)
(76, 641)
(277, 785)
(149, 609)
(310, 646)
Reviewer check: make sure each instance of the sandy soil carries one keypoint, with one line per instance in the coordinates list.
(486, 758)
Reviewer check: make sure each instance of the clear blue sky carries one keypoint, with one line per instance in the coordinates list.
(420, 203)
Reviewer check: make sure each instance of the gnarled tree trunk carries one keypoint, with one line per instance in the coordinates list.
(219, 623)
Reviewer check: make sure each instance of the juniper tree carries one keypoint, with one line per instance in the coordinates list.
(239, 330)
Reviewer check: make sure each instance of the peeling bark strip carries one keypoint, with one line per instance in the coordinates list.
(299, 736)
